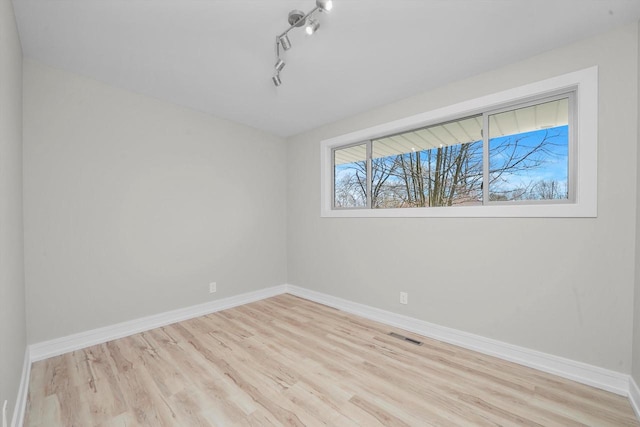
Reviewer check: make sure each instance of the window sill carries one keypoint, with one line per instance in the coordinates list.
(543, 210)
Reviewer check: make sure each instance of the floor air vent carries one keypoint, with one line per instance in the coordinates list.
(407, 339)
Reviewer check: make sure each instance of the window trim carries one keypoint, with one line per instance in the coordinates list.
(584, 153)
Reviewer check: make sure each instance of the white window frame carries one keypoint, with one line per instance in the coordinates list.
(583, 165)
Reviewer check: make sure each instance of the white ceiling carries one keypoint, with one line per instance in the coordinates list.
(217, 56)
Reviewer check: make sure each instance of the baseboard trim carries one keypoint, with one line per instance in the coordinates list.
(58, 346)
(577, 371)
(21, 399)
(605, 379)
(634, 396)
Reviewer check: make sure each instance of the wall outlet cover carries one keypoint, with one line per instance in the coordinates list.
(404, 298)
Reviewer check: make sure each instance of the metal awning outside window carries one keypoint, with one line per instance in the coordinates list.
(511, 122)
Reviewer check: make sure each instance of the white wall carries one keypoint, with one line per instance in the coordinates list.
(132, 205)
(12, 298)
(561, 286)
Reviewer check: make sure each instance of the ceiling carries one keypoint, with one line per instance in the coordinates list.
(217, 56)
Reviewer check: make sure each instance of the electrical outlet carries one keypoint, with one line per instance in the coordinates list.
(212, 287)
(404, 298)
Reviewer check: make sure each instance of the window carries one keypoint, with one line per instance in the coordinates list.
(443, 164)
(510, 154)
(350, 176)
(529, 152)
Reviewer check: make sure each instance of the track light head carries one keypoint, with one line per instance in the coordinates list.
(312, 26)
(324, 5)
(285, 42)
(276, 80)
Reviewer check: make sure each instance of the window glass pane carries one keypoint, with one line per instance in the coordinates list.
(350, 176)
(529, 153)
(439, 165)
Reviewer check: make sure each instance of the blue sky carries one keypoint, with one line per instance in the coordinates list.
(555, 156)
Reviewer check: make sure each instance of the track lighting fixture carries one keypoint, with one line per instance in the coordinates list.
(296, 19)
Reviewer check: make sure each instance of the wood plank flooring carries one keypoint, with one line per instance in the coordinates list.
(285, 361)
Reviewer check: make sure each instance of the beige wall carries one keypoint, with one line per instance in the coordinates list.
(12, 294)
(561, 286)
(132, 205)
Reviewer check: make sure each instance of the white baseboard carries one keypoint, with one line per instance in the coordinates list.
(605, 379)
(634, 396)
(55, 347)
(21, 400)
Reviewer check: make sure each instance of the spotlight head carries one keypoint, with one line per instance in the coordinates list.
(276, 80)
(279, 65)
(312, 26)
(324, 5)
(285, 42)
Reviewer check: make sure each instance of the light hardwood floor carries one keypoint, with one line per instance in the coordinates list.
(288, 361)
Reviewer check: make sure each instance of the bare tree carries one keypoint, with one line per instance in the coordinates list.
(440, 177)
(549, 190)
(351, 186)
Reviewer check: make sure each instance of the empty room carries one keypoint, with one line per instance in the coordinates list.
(319, 213)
